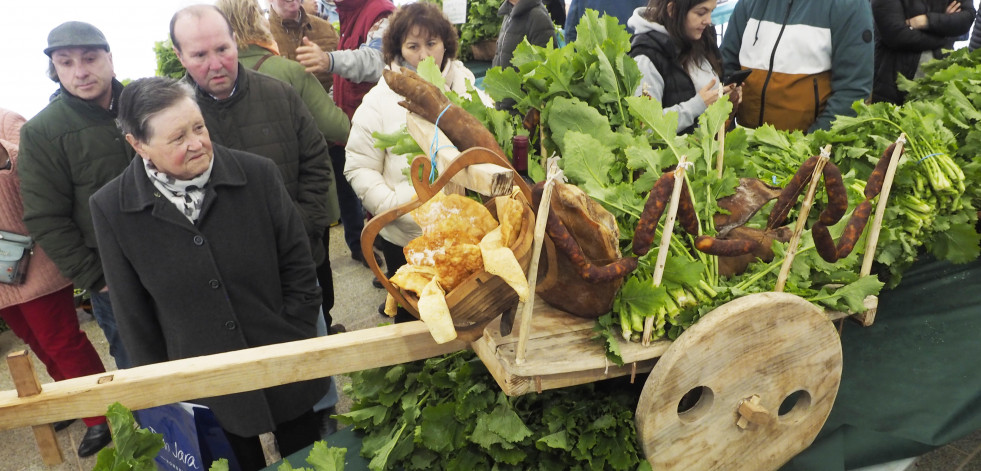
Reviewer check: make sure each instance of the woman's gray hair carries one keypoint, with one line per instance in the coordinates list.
(146, 97)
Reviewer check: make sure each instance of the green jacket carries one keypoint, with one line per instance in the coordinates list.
(331, 121)
(811, 60)
(266, 116)
(67, 152)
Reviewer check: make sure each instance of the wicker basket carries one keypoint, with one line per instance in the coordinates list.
(482, 296)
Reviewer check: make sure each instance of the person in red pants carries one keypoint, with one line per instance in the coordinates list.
(41, 311)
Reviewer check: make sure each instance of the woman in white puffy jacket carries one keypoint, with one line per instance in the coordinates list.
(415, 32)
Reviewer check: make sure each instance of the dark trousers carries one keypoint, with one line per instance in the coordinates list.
(352, 214)
(326, 279)
(104, 316)
(50, 327)
(291, 437)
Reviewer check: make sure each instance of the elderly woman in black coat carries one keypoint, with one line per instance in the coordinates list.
(205, 254)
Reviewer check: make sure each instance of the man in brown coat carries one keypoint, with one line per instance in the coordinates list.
(290, 24)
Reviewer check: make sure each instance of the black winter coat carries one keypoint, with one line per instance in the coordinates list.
(528, 18)
(898, 48)
(267, 117)
(976, 33)
(242, 276)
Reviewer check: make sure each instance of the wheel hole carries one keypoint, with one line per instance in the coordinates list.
(795, 405)
(695, 403)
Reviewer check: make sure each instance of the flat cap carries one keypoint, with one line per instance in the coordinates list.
(75, 34)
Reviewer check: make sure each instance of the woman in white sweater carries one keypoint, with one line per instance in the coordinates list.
(416, 31)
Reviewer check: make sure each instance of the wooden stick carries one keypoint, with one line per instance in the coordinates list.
(527, 308)
(805, 209)
(662, 250)
(224, 373)
(880, 206)
(27, 384)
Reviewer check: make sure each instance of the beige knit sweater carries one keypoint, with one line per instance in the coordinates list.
(42, 275)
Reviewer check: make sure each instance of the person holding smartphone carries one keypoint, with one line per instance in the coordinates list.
(674, 45)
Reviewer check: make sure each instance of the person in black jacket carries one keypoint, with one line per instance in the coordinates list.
(976, 34)
(909, 32)
(675, 48)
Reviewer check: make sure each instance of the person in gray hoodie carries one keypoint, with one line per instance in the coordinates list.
(674, 47)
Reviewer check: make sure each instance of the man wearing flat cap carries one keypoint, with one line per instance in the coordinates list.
(68, 151)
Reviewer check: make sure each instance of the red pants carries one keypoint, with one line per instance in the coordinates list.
(50, 327)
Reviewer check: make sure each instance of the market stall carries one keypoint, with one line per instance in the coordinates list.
(746, 362)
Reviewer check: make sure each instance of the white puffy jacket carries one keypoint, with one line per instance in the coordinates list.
(376, 174)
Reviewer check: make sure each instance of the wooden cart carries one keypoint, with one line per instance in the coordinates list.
(748, 386)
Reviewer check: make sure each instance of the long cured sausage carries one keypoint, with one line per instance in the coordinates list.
(565, 243)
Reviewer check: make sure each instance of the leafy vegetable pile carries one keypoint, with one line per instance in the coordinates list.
(614, 146)
(448, 413)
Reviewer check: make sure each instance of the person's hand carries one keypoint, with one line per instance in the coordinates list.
(918, 22)
(105, 289)
(709, 93)
(735, 93)
(312, 57)
(953, 7)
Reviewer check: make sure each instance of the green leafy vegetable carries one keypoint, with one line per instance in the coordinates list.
(135, 448)
(448, 413)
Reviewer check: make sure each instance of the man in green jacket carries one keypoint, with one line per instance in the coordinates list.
(67, 152)
(256, 52)
(253, 112)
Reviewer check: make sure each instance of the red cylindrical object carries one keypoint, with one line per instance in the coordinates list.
(519, 154)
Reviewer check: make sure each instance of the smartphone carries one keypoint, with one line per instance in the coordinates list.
(737, 77)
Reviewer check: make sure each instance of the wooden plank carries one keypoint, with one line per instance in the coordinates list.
(486, 179)
(515, 385)
(27, 384)
(561, 352)
(224, 373)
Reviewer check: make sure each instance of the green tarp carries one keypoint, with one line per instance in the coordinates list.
(912, 381)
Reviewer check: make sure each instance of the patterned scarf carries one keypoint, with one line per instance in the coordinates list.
(187, 195)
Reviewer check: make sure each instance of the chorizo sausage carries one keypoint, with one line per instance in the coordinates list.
(613, 271)
(854, 229)
(725, 247)
(878, 176)
(686, 211)
(788, 197)
(565, 243)
(653, 209)
(837, 195)
(823, 242)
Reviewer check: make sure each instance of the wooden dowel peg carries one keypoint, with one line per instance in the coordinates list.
(27, 384)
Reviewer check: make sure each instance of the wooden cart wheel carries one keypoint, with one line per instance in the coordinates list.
(747, 387)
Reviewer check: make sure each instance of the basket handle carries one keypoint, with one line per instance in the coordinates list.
(419, 175)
